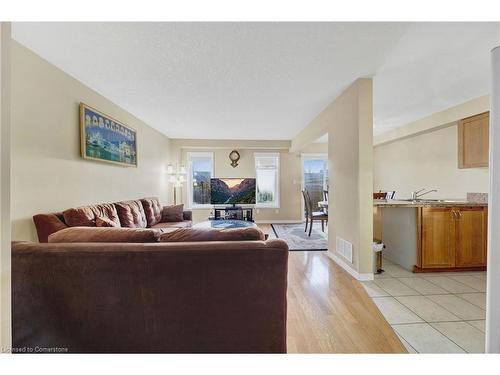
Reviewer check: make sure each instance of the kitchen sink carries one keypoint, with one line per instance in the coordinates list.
(431, 200)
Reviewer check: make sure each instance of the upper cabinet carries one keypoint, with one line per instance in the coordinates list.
(473, 136)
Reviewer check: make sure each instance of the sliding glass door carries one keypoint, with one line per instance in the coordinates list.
(315, 176)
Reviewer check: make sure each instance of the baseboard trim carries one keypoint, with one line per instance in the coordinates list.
(278, 221)
(349, 269)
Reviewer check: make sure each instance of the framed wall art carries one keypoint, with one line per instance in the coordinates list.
(106, 139)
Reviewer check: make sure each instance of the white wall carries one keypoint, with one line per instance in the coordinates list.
(348, 121)
(438, 119)
(5, 128)
(48, 173)
(493, 281)
(350, 157)
(290, 171)
(427, 160)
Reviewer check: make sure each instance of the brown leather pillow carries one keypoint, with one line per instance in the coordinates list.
(152, 210)
(212, 234)
(131, 214)
(88, 234)
(46, 224)
(105, 222)
(85, 216)
(172, 213)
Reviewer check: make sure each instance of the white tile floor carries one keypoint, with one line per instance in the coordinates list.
(432, 313)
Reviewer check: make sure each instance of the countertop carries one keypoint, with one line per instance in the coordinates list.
(443, 203)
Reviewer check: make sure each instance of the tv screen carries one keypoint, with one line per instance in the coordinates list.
(232, 190)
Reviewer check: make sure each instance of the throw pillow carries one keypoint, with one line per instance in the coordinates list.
(173, 213)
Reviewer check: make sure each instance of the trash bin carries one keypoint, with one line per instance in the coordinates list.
(377, 247)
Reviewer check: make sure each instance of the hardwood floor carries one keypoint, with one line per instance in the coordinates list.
(329, 311)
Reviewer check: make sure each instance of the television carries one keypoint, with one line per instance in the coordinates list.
(232, 191)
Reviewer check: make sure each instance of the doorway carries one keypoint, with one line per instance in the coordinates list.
(314, 177)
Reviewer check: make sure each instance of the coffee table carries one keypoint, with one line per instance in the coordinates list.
(225, 224)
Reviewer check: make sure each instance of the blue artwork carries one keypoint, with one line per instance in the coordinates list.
(106, 139)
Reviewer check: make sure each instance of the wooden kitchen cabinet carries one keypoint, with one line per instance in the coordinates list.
(471, 226)
(451, 237)
(473, 139)
(437, 238)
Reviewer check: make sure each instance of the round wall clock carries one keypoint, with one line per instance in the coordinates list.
(234, 156)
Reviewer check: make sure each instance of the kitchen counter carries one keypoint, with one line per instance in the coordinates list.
(432, 235)
(427, 203)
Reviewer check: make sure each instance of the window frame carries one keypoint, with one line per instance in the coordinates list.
(189, 156)
(276, 203)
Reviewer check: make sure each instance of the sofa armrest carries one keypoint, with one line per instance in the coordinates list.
(187, 215)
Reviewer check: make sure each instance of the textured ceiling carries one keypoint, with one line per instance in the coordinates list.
(267, 80)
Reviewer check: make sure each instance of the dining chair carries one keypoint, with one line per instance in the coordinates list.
(312, 215)
(306, 209)
(325, 198)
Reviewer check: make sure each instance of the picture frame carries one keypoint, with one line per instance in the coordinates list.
(105, 139)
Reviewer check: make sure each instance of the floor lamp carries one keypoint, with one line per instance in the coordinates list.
(176, 176)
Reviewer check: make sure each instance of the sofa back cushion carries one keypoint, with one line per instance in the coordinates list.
(172, 213)
(105, 222)
(211, 234)
(86, 216)
(131, 214)
(88, 234)
(152, 210)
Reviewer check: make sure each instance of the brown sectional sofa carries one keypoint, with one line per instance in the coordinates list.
(143, 285)
(180, 297)
(139, 213)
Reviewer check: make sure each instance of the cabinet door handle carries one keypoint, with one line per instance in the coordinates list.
(454, 213)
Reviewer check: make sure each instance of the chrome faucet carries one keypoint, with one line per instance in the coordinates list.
(415, 194)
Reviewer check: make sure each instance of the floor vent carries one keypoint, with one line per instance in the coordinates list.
(344, 248)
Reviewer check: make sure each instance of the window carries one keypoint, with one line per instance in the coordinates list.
(267, 172)
(315, 176)
(200, 171)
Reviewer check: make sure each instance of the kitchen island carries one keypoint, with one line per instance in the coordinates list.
(432, 235)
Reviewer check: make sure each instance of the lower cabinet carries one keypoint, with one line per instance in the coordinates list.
(472, 224)
(451, 237)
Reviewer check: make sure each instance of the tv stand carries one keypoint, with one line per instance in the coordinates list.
(232, 213)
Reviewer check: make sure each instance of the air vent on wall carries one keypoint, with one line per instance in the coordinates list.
(344, 248)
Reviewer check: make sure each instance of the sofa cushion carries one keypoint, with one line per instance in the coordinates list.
(89, 234)
(85, 216)
(131, 214)
(46, 224)
(177, 224)
(212, 234)
(187, 215)
(172, 213)
(152, 210)
(105, 222)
